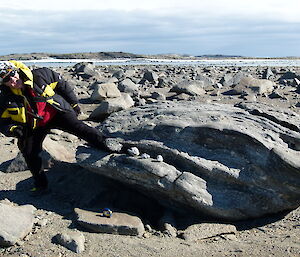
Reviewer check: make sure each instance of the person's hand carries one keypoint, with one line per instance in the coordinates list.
(77, 109)
(18, 131)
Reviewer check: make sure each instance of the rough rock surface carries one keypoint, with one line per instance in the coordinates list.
(220, 161)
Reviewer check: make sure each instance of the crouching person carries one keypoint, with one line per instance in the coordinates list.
(31, 103)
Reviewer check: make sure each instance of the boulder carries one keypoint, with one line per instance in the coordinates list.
(128, 86)
(104, 91)
(267, 74)
(205, 81)
(118, 74)
(85, 70)
(219, 161)
(193, 88)
(231, 79)
(150, 76)
(15, 222)
(251, 85)
(111, 105)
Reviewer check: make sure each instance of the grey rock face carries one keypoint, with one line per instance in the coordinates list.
(218, 160)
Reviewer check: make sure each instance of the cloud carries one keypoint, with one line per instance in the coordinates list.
(147, 32)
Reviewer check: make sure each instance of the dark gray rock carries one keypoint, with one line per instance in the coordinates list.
(118, 74)
(85, 70)
(220, 161)
(150, 76)
(289, 75)
(231, 79)
(268, 73)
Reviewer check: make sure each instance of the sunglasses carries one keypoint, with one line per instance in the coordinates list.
(7, 77)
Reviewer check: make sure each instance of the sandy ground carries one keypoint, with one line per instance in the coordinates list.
(277, 235)
(271, 236)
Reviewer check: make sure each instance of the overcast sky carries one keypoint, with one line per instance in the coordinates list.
(258, 28)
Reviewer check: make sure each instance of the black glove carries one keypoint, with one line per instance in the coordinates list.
(18, 131)
(76, 109)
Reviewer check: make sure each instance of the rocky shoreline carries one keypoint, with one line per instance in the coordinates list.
(163, 110)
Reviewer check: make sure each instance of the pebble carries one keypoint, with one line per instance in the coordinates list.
(159, 158)
(133, 151)
(145, 156)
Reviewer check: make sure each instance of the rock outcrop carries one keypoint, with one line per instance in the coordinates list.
(219, 161)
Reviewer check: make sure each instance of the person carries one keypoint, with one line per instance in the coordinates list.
(31, 103)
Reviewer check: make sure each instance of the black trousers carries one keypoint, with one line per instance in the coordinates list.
(31, 145)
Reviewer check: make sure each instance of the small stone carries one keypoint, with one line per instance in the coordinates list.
(159, 158)
(146, 235)
(145, 156)
(133, 151)
(118, 223)
(148, 228)
(42, 223)
(73, 240)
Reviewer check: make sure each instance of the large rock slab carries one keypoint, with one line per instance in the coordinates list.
(219, 160)
(15, 222)
(118, 223)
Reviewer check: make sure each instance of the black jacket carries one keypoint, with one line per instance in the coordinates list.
(48, 87)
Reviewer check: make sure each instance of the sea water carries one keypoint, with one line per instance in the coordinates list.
(180, 62)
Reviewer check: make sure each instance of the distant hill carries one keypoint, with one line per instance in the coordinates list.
(218, 56)
(106, 56)
(123, 55)
(88, 55)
